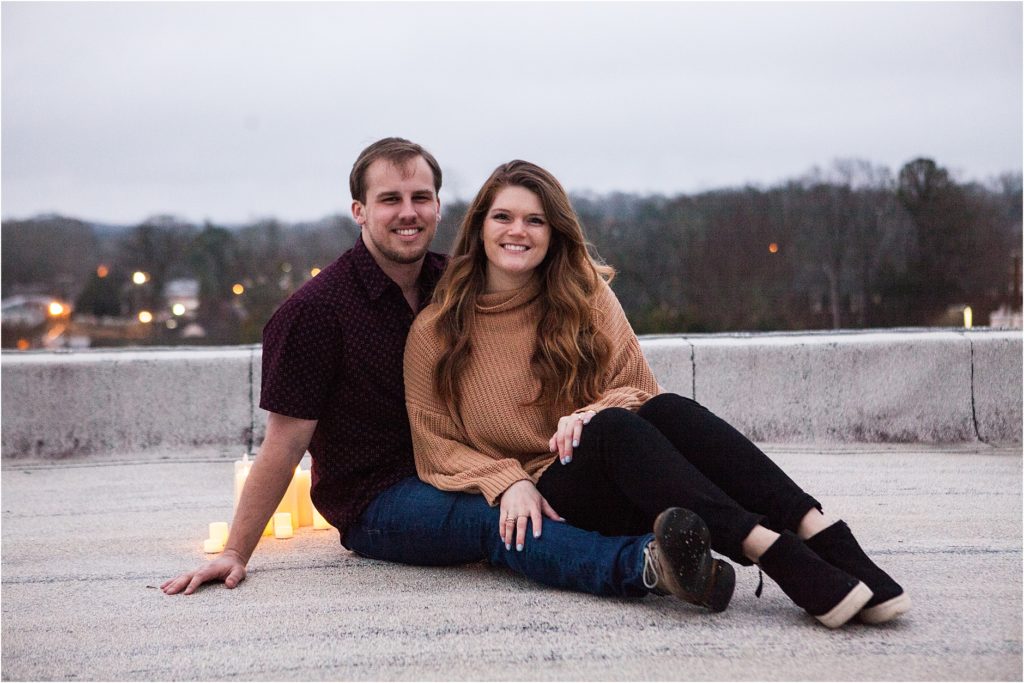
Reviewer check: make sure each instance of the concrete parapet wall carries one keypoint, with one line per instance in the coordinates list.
(77, 403)
(880, 386)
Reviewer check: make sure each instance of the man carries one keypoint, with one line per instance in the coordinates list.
(332, 383)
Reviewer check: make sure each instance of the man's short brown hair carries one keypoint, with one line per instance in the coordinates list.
(396, 150)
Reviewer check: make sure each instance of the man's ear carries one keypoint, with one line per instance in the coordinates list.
(359, 212)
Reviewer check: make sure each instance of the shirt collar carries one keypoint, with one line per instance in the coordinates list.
(376, 280)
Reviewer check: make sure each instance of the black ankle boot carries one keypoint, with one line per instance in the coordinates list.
(829, 594)
(837, 546)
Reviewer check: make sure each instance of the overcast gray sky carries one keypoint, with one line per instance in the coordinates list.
(232, 111)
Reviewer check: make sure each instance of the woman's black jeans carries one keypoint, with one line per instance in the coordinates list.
(672, 452)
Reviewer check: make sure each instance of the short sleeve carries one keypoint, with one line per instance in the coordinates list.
(302, 348)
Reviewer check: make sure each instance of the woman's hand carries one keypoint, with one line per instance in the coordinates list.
(522, 503)
(567, 436)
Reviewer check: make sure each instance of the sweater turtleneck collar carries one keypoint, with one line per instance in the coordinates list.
(508, 300)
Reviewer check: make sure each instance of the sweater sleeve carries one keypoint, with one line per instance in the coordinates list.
(444, 458)
(629, 382)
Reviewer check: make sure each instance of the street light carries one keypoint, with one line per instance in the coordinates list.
(178, 309)
(145, 317)
(140, 278)
(238, 289)
(56, 309)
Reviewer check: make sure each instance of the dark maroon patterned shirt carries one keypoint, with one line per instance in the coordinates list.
(333, 352)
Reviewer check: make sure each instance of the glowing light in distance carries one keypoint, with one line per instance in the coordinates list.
(23, 344)
(237, 288)
(145, 317)
(968, 317)
(102, 271)
(178, 309)
(56, 308)
(314, 271)
(773, 248)
(140, 278)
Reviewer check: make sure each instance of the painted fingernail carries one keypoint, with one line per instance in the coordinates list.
(508, 546)
(536, 535)
(519, 547)
(575, 443)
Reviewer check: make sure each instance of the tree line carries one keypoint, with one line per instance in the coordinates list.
(850, 246)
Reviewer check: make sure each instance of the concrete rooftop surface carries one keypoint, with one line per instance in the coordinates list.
(87, 542)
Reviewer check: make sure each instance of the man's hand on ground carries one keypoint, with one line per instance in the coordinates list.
(228, 568)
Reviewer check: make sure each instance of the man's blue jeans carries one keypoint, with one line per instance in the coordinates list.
(414, 523)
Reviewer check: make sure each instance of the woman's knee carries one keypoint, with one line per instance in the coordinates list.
(671, 408)
(620, 435)
(612, 419)
(610, 433)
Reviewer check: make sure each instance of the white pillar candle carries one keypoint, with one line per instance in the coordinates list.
(212, 545)
(283, 525)
(318, 520)
(305, 503)
(241, 474)
(219, 532)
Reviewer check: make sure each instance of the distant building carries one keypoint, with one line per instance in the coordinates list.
(184, 291)
(25, 311)
(1005, 318)
(34, 321)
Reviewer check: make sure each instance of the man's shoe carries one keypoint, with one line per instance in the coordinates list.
(678, 562)
(829, 594)
(837, 546)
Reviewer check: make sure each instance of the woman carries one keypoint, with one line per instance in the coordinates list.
(525, 358)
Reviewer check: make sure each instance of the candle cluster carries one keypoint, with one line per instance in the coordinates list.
(295, 509)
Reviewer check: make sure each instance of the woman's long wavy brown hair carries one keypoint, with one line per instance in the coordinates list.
(572, 351)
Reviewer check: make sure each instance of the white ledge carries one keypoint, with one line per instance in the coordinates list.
(926, 386)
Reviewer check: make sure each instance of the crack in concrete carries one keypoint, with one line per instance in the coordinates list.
(974, 412)
(252, 403)
(693, 369)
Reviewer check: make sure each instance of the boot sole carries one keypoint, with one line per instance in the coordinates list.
(724, 585)
(720, 586)
(886, 611)
(848, 607)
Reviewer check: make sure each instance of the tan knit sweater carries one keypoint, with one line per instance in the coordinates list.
(495, 439)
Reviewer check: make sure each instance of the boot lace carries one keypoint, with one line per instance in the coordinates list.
(651, 561)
